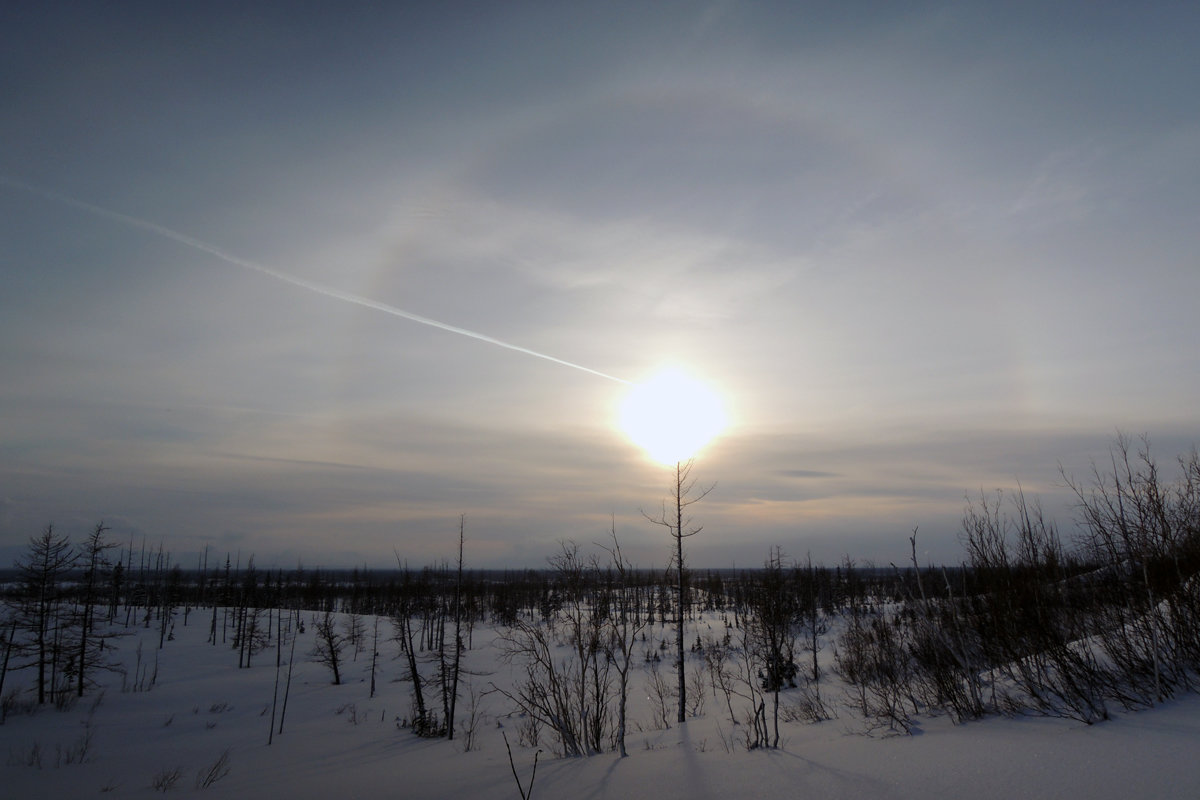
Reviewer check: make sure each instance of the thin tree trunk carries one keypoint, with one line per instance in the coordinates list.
(414, 673)
(278, 664)
(374, 654)
(8, 648)
(288, 686)
(462, 521)
(679, 567)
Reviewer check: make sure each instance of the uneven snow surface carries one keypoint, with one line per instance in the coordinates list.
(339, 743)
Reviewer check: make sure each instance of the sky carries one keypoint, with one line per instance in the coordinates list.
(255, 260)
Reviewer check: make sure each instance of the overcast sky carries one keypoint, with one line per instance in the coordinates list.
(919, 249)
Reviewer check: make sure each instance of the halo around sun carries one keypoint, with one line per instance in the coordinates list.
(672, 415)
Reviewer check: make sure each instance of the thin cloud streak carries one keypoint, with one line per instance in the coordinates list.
(312, 286)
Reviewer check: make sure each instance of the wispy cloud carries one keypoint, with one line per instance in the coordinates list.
(921, 254)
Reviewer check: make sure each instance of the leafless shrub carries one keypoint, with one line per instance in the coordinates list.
(12, 703)
(215, 771)
(1143, 531)
(569, 696)
(529, 732)
(872, 659)
(662, 696)
(754, 726)
(474, 717)
(144, 675)
(721, 674)
(697, 691)
(78, 751)
(351, 712)
(806, 705)
(64, 699)
(1032, 628)
(165, 779)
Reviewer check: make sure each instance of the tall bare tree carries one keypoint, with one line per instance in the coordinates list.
(458, 643)
(40, 571)
(423, 722)
(773, 626)
(683, 493)
(624, 623)
(92, 644)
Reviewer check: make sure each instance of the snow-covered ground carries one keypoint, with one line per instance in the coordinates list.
(338, 742)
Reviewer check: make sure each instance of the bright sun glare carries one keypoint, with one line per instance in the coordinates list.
(672, 415)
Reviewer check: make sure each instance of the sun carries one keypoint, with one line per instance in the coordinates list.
(672, 415)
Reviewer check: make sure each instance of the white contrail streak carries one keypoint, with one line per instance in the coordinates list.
(312, 286)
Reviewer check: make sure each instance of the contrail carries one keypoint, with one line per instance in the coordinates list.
(312, 286)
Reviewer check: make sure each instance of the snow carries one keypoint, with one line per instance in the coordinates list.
(339, 743)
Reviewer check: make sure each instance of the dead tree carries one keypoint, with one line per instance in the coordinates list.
(90, 652)
(374, 653)
(773, 625)
(423, 723)
(683, 493)
(329, 645)
(458, 645)
(38, 614)
(624, 626)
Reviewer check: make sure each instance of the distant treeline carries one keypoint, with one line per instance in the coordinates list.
(496, 595)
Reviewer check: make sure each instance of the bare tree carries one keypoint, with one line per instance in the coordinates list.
(773, 628)
(374, 652)
(287, 687)
(814, 624)
(278, 667)
(39, 573)
(423, 723)
(329, 645)
(91, 647)
(623, 626)
(250, 637)
(458, 644)
(356, 634)
(8, 650)
(683, 493)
